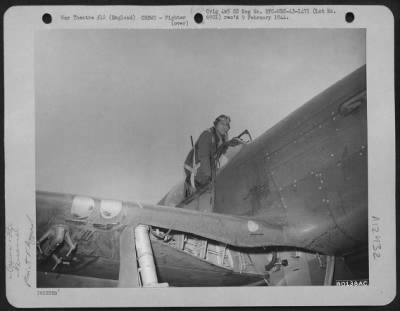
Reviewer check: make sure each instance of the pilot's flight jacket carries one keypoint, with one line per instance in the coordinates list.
(205, 149)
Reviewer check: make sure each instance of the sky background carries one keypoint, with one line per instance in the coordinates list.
(115, 108)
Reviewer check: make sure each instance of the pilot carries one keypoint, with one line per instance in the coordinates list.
(200, 163)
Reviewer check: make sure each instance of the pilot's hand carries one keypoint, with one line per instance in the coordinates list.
(235, 141)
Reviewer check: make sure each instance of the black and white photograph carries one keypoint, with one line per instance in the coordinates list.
(183, 157)
(246, 149)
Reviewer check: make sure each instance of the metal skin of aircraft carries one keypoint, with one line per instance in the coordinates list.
(288, 208)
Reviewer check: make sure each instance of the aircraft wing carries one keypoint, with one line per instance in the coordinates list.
(95, 229)
(232, 230)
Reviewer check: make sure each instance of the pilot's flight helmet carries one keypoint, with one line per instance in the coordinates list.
(222, 117)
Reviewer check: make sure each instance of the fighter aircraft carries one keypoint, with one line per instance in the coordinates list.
(287, 208)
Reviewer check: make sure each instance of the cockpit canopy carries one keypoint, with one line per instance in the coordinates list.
(177, 196)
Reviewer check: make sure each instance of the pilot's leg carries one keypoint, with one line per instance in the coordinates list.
(189, 190)
(202, 180)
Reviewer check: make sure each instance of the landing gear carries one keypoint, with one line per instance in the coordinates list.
(53, 240)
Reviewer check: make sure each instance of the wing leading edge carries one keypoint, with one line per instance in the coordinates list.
(236, 231)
